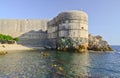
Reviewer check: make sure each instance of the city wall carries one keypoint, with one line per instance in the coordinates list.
(29, 31)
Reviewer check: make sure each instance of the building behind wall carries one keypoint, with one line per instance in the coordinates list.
(70, 24)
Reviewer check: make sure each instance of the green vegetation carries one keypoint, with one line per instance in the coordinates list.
(16, 39)
(7, 39)
(66, 42)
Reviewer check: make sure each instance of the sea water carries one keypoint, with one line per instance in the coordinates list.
(54, 64)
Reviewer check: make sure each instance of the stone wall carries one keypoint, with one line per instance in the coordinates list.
(17, 27)
(28, 30)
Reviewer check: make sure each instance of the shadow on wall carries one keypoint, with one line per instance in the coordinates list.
(33, 38)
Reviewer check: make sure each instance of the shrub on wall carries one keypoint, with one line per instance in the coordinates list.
(16, 39)
(7, 39)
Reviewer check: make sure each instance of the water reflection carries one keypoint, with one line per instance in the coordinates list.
(79, 64)
(51, 64)
(70, 64)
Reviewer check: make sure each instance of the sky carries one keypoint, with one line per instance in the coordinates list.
(104, 15)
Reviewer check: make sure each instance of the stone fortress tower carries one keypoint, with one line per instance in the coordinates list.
(67, 31)
(70, 24)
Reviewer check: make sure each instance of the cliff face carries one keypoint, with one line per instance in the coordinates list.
(97, 43)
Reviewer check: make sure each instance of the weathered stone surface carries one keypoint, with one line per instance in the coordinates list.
(97, 43)
(81, 48)
(69, 44)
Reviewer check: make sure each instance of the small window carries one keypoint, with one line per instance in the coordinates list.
(66, 21)
(82, 27)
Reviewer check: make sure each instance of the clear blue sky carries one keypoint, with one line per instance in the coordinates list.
(104, 15)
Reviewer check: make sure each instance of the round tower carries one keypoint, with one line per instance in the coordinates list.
(73, 24)
(70, 27)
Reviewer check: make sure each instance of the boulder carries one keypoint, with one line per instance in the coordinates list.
(81, 48)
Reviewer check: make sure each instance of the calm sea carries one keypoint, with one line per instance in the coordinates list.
(52, 64)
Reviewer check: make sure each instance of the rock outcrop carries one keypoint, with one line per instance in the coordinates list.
(69, 44)
(97, 43)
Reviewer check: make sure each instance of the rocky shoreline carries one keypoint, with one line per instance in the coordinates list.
(95, 44)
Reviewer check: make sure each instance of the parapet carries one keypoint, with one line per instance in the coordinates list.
(73, 14)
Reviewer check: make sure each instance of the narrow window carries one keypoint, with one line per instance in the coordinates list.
(74, 33)
(82, 27)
